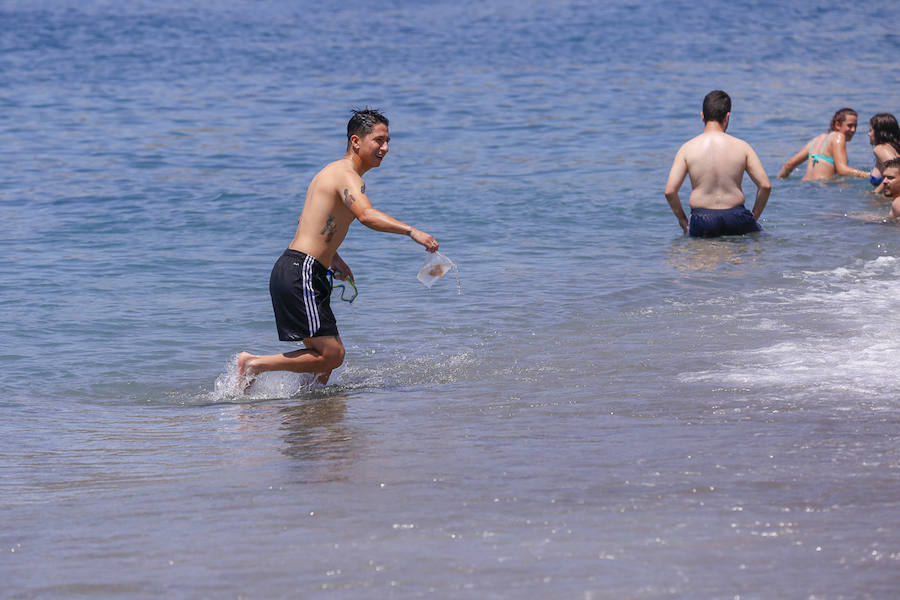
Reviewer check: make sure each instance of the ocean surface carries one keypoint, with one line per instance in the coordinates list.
(599, 408)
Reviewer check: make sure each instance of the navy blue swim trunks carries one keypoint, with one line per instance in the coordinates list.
(301, 297)
(713, 222)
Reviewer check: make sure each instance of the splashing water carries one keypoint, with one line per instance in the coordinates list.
(231, 386)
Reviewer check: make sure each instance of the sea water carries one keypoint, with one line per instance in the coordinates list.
(607, 410)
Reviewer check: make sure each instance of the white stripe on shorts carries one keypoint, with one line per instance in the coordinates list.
(309, 297)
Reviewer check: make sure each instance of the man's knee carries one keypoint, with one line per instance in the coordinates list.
(333, 355)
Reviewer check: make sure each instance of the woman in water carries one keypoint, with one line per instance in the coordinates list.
(826, 154)
(884, 135)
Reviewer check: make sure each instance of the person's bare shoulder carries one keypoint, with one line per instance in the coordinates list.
(690, 148)
(694, 141)
(739, 145)
(338, 175)
(734, 140)
(884, 152)
(748, 149)
(837, 139)
(335, 169)
(895, 209)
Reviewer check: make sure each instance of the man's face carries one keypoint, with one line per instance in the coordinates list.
(848, 126)
(892, 182)
(374, 146)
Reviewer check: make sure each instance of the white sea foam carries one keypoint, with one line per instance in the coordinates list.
(836, 331)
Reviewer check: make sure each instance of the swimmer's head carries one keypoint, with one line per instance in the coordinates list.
(716, 106)
(891, 173)
(884, 130)
(363, 122)
(844, 121)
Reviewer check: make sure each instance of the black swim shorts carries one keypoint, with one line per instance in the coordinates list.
(710, 222)
(301, 297)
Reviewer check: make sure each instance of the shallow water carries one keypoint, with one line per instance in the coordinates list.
(602, 408)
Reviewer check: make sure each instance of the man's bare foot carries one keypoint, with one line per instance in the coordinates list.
(242, 359)
(246, 373)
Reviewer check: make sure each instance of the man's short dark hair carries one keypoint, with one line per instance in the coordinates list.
(363, 122)
(894, 163)
(716, 105)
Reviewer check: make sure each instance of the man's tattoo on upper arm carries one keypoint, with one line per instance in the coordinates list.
(328, 230)
(363, 188)
(348, 198)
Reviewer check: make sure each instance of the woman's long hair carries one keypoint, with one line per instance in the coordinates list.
(885, 130)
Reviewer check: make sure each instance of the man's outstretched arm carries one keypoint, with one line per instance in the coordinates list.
(361, 207)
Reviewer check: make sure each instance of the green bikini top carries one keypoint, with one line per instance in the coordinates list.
(820, 155)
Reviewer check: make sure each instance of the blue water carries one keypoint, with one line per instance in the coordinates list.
(601, 408)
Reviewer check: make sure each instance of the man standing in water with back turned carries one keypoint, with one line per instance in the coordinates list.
(299, 283)
(716, 163)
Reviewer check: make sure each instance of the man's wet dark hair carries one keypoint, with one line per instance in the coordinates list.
(841, 116)
(894, 163)
(716, 105)
(363, 122)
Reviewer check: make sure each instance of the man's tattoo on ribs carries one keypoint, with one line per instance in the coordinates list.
(328, 230)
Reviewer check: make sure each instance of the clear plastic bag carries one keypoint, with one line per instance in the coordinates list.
(436, 266)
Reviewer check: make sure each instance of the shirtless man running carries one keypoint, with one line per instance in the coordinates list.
(299, 283)
(716, 163)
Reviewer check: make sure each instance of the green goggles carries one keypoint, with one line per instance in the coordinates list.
(343, 283)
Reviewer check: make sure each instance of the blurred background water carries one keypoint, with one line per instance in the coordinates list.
(606, 410)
